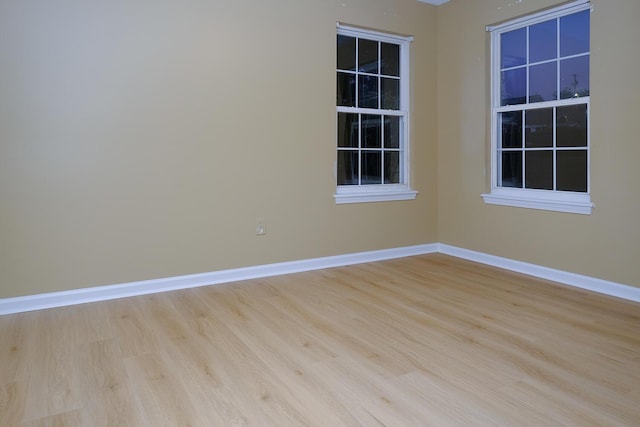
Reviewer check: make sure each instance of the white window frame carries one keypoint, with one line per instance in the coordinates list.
(381, 192)
(553, 200)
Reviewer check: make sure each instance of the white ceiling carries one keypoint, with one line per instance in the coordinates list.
(436, 2)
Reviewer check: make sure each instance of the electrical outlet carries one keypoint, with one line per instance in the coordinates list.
(261, 227)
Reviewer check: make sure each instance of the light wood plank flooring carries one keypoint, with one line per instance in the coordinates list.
(421, 341)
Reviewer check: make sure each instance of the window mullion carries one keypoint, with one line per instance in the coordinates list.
(555, 145)
(557, 59)
(379, 46)
(382, 145)
(524, 116)
(541, 105)
(523, 150)
(344, 109)
(381, 115)
(528, 68)
(359, 149)
(357, 70)
(524, 169)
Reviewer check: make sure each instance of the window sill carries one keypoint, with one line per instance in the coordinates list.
(577, 203)
(373, 193)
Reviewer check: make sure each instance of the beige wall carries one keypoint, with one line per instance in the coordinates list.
(605, 244)
(142, 139)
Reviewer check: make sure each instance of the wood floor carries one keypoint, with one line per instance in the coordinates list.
(421, 341)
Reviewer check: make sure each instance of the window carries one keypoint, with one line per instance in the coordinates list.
(372, 116)
(540, 111)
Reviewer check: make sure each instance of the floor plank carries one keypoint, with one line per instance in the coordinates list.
(420, 341)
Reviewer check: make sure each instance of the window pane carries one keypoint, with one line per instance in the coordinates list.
(574, 77)
(346, 90)
(368, 56)
(572, 170)
(574, 33)
(543, 41)
(513, 48)
(371, 131)
(346, 53)
(539, 170)
(511, 167)
(390, 61)
(347, 130)
(390, 94)
(539, 128)
(368, 91)
(391, 167)
(571, 126)
(543, 82)
(392, 132)
(347, 168)
(543, 64)
(513, 88)
(371, 167)
(370, 82)
(511, 124)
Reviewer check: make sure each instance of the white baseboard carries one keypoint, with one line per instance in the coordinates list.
(103, 293)
(584, 282)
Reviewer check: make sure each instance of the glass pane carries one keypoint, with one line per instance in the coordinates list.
(368, 91)
(511, 167)
(371, 131)
(390, 94)
(347, 130)
(571, 126)
(574, 33)
(368, 56)
(391, 167)
(572, 170)
(513, 48)
(346, 90)
(390, 61)
(347, 168)
(539, 128)
(371, 167)
(513, 88)
(511, 124)
(543, 41)
(543, 82)
(346, 53)
(574, 77)
(539, 170)
(392, 132)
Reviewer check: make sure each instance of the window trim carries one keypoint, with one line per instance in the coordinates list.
(373, 193)
(382, 192)
(552, 200)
